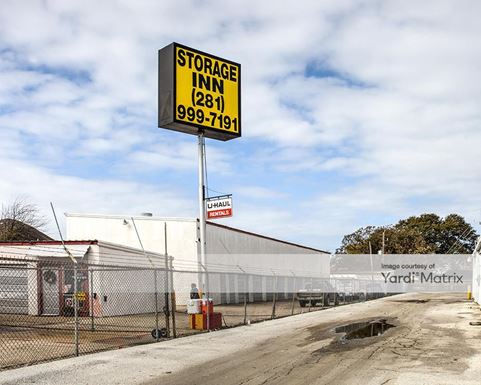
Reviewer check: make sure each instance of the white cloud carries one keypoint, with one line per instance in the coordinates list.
(258, 192)
(177, 155)
(74, 194)
(390, 106)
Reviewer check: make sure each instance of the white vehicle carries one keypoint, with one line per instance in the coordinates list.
(318, 293)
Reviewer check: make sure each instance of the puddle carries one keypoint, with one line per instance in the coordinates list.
(412, 301)
(353, 334)
(364, 329)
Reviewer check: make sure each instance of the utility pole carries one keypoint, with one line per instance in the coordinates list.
(383, 241)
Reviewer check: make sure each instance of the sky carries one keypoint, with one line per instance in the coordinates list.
(354, 113)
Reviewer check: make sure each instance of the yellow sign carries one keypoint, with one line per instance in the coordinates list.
(201, 95)
(81, 296)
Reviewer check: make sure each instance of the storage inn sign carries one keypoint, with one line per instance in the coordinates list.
(219, 207)
(199, 92)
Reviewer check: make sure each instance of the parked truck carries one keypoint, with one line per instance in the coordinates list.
(319, 293)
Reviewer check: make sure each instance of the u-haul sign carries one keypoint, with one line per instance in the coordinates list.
(219, 207)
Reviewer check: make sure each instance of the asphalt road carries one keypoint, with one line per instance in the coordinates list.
(431, 343)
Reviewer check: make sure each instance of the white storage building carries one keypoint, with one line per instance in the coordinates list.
(36, 278)
(232, 254)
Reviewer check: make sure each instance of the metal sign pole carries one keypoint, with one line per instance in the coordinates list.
(202, 224)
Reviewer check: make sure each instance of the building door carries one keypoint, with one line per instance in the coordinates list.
(50, 291)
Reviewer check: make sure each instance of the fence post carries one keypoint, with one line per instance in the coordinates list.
(75, 310)
(355, 289)
(166, 286)
(156, 307)
(246, 292)
(172, 296)
(335, 292)
(167, 300)
(359, 290)
(274, 297)
(293, 293)
(91, 296)
(324, 285)
(365, 291)
(310, 295)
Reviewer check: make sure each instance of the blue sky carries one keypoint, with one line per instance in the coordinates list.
(354, 112)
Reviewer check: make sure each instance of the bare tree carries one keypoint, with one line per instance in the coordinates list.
(22, 221)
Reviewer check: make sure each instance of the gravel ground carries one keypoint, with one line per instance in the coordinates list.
(32, 339)
(431, 343)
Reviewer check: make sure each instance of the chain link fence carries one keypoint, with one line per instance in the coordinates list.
(55, 308)
(248, 298)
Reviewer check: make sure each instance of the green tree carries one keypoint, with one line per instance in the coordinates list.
(357, 242)
(423, 234)
(457, 235)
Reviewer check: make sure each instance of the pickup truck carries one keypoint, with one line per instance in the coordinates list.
(319, 293)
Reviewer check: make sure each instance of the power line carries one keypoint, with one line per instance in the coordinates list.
(207, 189)
(218, 192)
